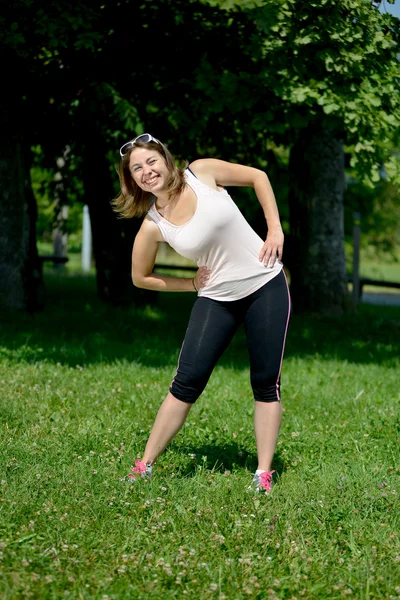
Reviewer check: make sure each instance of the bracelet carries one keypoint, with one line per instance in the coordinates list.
(194, 285)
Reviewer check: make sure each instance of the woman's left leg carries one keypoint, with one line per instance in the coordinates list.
(266, 322)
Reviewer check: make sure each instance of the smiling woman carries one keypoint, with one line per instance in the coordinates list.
(239, 281)
(134, 199)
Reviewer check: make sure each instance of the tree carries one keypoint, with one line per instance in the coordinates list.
(20, 275)
(76, 56)
(337, 83)
(32, 35)
(316, 76)
(327, 81)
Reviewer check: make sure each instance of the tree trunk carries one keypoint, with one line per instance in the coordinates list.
(317, 268)
(60, 234)
(21, 284)
(112, 237)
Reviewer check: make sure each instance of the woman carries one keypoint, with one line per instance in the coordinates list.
(240, 279)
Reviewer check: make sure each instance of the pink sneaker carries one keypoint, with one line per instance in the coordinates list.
(139, 470)
(262, 482)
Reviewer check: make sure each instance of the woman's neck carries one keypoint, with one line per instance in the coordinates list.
(161, 204)
(162, 200)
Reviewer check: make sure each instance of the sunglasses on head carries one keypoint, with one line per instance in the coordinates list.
(143, 137)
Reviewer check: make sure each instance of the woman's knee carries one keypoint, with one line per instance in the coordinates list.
(267, 391)
(187, 390)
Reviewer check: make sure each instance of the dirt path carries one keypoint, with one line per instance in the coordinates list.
(380, 299)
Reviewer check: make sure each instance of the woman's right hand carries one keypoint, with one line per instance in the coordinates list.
(202, 277)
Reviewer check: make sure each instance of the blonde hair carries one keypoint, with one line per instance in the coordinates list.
(132, 201)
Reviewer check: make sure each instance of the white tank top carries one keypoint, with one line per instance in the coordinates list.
(219, 237)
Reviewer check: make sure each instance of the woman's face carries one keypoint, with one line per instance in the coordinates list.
(148, 170)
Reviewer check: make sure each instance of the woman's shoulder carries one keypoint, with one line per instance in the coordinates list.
(199, 166)
(201, 169)
(150, 228)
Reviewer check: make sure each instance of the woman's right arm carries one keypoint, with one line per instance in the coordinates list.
(144, 255)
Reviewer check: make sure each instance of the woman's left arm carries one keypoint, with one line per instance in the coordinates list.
(216, 172)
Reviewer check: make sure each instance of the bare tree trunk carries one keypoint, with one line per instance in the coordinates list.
(317, 266)
(60, 234)
(21, 285)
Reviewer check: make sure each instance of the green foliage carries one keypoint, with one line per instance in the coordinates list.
(43, 181)
(35, 31)
(289, 65)
(282, 66)
(379, 208)
(378, 202)
(336, 61)
(80, 389)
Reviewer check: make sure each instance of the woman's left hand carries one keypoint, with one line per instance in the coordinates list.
(272, 248)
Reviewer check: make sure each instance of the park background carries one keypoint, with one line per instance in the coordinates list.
(309, 93)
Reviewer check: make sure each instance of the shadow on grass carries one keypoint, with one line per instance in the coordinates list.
(224, 457)
(77, 328)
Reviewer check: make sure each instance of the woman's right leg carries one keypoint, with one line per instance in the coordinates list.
(211, 327)
(169, 420)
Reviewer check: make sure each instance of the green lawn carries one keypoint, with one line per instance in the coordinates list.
(80, 386)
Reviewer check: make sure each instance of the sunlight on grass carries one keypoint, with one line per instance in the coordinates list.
(81, 384)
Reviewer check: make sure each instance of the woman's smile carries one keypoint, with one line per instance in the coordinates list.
(151, 180)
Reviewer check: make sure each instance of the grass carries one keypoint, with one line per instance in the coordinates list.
(80, 386)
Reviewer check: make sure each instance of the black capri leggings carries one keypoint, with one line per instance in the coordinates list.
(212, 325)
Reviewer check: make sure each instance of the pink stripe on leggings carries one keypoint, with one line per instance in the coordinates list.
(284, 339)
